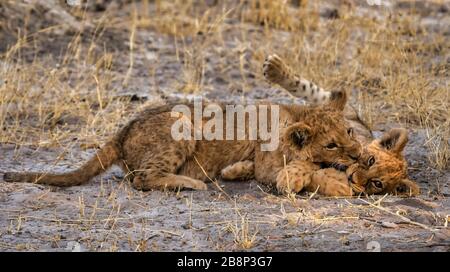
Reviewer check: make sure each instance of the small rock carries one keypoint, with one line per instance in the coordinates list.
(74, 246)
(151, 56)
(389, 225)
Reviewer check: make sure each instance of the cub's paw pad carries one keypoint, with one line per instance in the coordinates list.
(274, 69)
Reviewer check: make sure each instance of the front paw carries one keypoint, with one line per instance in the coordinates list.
(336, 189)
(330, 182)
(287, 184)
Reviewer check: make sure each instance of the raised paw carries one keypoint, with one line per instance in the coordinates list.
(275, 70)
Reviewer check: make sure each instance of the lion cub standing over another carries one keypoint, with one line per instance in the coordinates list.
(146, 150)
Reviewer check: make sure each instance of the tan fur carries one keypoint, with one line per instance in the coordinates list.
(242, 170)
(330, 182)
(146, 150)
(390, 167)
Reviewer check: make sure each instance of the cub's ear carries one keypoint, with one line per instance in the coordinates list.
(407, 187)
(338, 100)
(299, 135)
(394, 140)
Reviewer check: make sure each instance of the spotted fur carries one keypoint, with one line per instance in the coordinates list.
(276, 71)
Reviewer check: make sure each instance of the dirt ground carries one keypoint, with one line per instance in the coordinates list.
(68, 81)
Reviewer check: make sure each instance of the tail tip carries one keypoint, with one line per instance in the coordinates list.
(11, 177)
(8, 177)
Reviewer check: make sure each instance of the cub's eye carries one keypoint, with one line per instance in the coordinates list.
(331, 146)
(378, 184)
(371, 161)
(350, 132)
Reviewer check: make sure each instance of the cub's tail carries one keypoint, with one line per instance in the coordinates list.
(104, 158)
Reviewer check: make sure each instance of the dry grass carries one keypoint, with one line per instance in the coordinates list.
(67, 85)
(245, 236)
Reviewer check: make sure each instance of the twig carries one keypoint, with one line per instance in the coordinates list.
(405, 219)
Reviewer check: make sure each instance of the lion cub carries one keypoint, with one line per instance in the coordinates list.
(145, 148)
(382, 168)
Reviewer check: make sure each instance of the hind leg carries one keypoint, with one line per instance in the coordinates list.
(158, 169)
(153, 157)
(146, 181)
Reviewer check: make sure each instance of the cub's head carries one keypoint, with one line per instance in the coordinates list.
(382, 168)
(321, 135)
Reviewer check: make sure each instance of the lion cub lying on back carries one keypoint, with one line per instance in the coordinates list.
(144, 148)
(382, 168)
